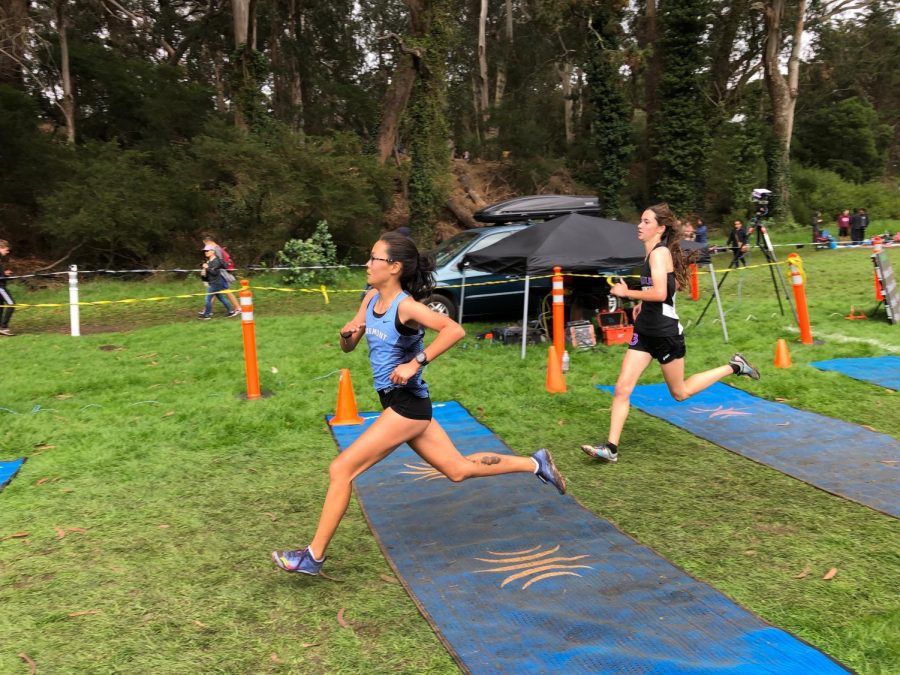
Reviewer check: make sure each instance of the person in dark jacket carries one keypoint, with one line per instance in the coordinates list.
(737, 240)
(211, 273)
(6, 311)
(858, 224)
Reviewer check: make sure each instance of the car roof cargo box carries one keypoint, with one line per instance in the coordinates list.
(538, 207)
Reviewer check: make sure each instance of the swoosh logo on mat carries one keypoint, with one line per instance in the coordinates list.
(535, 563)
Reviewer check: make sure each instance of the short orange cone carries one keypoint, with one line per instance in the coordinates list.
(782, 355)
(346, 404)
(556, 381)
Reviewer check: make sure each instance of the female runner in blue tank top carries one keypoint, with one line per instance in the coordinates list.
(394, 321)
(658, 334)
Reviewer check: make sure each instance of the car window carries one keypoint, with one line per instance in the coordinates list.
(449, 248)
(488, 240)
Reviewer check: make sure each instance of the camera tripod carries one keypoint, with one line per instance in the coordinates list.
(765, 245)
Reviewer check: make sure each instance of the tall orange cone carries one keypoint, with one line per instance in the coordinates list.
(782, 355)
(556, 381)
(346, 404)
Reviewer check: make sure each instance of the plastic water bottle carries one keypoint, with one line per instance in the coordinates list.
(565, 361)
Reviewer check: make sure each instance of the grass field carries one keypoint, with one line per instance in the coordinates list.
(152, 494)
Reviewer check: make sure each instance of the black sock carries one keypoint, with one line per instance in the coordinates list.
(613, 447)
(735, 367)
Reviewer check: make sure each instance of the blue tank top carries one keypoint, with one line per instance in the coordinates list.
(390, 344)
(658, 319)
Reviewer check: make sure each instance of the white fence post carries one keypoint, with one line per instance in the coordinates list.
(74, 316)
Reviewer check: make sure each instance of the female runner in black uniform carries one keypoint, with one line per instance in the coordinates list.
(658, 334)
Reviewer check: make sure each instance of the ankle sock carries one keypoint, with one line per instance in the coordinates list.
(537, 467)
(613, 447)
(735, 367)
(313, 555)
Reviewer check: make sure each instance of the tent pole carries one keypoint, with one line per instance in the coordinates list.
(462, 293)
(712, 274)
(525, 315)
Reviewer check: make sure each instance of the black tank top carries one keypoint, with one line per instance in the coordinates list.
(658, 319)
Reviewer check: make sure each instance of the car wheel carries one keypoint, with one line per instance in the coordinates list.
(441, 304)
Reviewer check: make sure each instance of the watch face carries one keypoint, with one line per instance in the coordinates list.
(420, 357)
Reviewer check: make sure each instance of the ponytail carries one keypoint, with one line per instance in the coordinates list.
(672, 238)
(417, 277)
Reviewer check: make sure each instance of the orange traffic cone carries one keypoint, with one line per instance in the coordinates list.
(782, 355)
(346, 404)
(556, 381)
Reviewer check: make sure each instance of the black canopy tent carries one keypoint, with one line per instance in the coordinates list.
(574, 242)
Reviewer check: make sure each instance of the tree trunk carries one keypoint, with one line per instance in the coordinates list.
(783, 97)
(483, 84)
(397, 94)
(13, 17)
(240, 10)
(394, 104)
(68, 98)
(505, 55)
(565, 70)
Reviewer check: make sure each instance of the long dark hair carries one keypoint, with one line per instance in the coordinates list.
(417, 277)
(672, 238)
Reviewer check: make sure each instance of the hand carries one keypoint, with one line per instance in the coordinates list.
(635, 311)
(620, 289)
(404, 372)
(204, 266)
(7, 272)
(350, 328)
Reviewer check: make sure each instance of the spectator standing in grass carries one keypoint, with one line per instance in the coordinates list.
(658, 333)
(211, 273)
(816, 224)
(6, 298)
(228, 272)
(737, 239)
(858, 224)
(843, 223)
(393, 320)
(701, 233)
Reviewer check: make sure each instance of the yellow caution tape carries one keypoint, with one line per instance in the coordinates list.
(795, 260)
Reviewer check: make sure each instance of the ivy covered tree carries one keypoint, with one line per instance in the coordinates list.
(610, 126)
(428, 130)
(680, 138)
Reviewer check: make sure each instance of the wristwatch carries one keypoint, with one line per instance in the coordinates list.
(422, 358)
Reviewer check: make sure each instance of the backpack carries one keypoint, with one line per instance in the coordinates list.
(226, 258)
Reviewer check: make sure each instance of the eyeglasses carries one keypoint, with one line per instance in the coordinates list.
(373, 258)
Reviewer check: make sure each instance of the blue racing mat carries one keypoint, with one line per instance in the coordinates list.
(8, 470)
(838, 457)
(515, 578)
(881, 370)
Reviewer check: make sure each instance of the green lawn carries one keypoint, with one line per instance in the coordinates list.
(153, 495)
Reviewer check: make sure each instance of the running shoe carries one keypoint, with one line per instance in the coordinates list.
(6, 331)
(600, 452)
(746, 368)
(234, 312)
(204, 317)
(298, 561)
(547, 471)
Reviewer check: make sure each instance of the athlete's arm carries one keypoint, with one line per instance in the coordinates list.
(660, 261)
(354, 329)
(414, 314)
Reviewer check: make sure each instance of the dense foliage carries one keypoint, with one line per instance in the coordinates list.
(128, 128)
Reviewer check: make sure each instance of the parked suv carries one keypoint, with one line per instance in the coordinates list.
(503, 296)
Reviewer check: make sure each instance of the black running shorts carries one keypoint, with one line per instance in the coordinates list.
(405, 403)
(663, 349)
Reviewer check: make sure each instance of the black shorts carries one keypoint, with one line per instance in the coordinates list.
(405, 403)
(843, 231)
(663, 349)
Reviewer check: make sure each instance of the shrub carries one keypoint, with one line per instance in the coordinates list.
(302, 254)
(825, 191)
